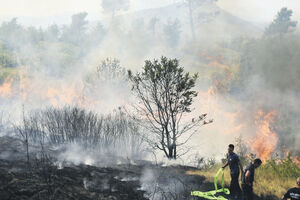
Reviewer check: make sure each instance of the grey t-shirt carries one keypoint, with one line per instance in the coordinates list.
(233, 162)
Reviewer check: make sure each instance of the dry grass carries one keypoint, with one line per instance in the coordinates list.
(272, 179)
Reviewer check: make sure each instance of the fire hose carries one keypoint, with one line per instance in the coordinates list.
(212, 194)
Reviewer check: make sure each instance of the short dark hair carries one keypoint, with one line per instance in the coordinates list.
(257, 161)
(231, 146)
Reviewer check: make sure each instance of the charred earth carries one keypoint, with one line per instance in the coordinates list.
(43, 178)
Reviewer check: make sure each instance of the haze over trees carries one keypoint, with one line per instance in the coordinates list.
(233, 71)
(271, 63)
(233, 64)
(172, 31)
(113, 6)
(282, 24)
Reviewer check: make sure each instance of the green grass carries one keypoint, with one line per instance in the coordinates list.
(272, 179)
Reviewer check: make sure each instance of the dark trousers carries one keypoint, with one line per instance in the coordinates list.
(234, 185)
(248, 192)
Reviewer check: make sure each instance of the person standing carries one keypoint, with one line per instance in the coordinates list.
(235, 165)
(293, 193)
(248, 179)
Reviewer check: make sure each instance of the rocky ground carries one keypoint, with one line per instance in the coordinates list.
(43, 179)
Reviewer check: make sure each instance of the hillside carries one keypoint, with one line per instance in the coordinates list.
(209, 19)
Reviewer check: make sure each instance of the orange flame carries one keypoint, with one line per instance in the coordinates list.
(6, 87)
(221, 83)
(55, 92)
(296, 160)
(266, 139)
(39, 91)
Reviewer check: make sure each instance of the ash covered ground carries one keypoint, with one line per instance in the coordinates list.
(46, 179)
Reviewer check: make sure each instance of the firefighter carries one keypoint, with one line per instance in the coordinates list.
(248, 179)
(235, 165)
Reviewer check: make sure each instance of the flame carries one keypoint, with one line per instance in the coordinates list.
(296, 160)
(220, 84)
(6, 87)
(27, 89)
(43, 91)
(266, 139)
(62, 94)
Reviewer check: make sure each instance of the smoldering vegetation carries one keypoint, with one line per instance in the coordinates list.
(65, 99)
(242, 68)
(54, 151)
(82, 137)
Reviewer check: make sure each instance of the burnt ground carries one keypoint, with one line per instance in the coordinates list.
(72, 182)
(43, 180)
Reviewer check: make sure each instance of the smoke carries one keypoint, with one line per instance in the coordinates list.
(63, 65)
(161, 185)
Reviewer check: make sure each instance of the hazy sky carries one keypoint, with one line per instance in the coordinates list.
(259, 10)
(253, 10)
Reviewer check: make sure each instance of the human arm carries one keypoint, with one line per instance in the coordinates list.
(247, 177)
(286, 196)
(225, 165)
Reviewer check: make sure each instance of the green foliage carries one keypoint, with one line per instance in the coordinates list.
(168, 73)
(52, 33)
(275, 177)
(276, 60)
(109, 73)
(7, 59)
(166, 94)
(76, 32)
(8, 72)
(282, 24)
(285, 168)
(11, 35)
(272, 179)
(56, 48)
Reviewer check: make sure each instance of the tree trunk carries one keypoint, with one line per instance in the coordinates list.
(27, 153)
(191, 19)
(170, 152)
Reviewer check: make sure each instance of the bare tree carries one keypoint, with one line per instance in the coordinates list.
(111, 70)
(165, 95)
(111, 133)
(25, 131)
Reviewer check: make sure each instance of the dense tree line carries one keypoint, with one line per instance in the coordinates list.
(269, 68)
(54, 46)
